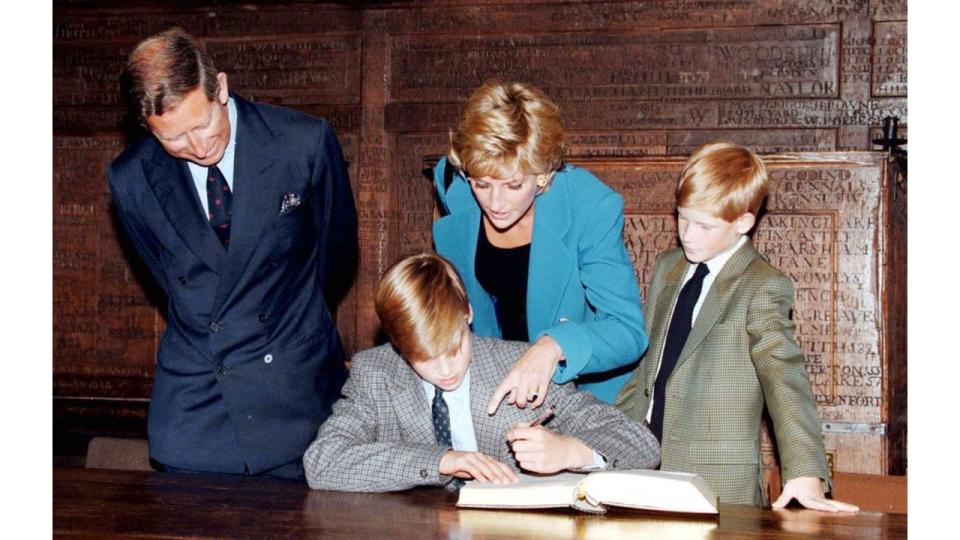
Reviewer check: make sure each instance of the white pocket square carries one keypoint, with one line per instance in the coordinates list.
(289, 203)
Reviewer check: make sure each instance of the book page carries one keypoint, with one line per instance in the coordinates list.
(651, 490)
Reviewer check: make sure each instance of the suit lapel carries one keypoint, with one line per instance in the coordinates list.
(482, 383)
(664, 311)
(405, 385)
(254, 162)
(551, 262)
(717, 299)
(173, 186)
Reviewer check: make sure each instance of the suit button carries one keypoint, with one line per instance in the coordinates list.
(646, 392)
(221, 370)
(262, 317)
(214, 326)
(183, 280)
(423, 473)
(272, 263)
(267, 358)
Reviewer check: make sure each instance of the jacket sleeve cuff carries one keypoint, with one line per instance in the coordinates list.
(826, 483)
(575, 344)
(432, 467)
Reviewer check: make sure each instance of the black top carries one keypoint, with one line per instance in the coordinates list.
(502, 272)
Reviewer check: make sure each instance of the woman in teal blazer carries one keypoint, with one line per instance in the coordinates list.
(583, 309)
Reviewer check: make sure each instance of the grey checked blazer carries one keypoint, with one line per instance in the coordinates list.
(380, 435)
(740, 356)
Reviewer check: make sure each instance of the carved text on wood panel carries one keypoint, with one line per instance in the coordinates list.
(764, 141)
(88, 74)
(104, 323)
(854, 193)
(759, 123)
(322, 69)
(754, 62)
(558, 17)
(83, 25)
(890, 59)
(416, 192)
(808, 113)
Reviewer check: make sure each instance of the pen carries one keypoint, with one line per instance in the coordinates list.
(551, 410)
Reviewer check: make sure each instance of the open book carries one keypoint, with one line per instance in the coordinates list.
(639, 489)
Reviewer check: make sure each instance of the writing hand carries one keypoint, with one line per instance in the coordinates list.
(541, 450)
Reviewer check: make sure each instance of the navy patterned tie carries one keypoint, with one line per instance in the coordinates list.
(441, 419)
(441, 427)
(680, 324)
(219, 204)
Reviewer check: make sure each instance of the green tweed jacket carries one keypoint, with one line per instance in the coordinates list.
(740, 354)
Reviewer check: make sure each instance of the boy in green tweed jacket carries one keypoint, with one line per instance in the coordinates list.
(722, 345)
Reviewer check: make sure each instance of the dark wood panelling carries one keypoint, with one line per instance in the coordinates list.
(746, 62)
(635, 80)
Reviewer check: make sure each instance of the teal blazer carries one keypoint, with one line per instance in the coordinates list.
(581, 288)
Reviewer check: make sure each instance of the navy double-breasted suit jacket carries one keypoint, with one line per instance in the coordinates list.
(250, 362)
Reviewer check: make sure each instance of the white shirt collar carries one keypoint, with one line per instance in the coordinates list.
(717, 263)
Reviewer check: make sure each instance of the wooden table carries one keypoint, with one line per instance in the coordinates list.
(103, 503)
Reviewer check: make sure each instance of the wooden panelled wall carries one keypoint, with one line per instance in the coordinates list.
(634, 80)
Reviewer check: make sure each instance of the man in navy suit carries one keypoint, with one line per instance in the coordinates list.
(244, 215)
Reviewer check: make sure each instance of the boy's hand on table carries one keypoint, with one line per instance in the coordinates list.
(807, 491)
(477, 466)
(529, 379)
(541, 450)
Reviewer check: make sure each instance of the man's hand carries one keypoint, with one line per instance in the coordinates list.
(529, 379)
(480, 467)
(807, 491)
(540, 450)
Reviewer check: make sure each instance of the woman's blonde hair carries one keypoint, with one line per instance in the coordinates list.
(423, 306)
(507, 128)
(724, 179)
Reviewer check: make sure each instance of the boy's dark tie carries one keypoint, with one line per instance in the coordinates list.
(441, 427)
(219, 204)
(441, 419)
(677, 334)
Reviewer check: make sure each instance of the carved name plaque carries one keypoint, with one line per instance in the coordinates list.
(416, 193)
(293, 71)
(766, 141)
(808, 113)
(88, 74)
(890, 59)
(787, 61)
(459, 17)
(80, 25)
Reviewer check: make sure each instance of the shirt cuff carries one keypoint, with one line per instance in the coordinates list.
(599, 463)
